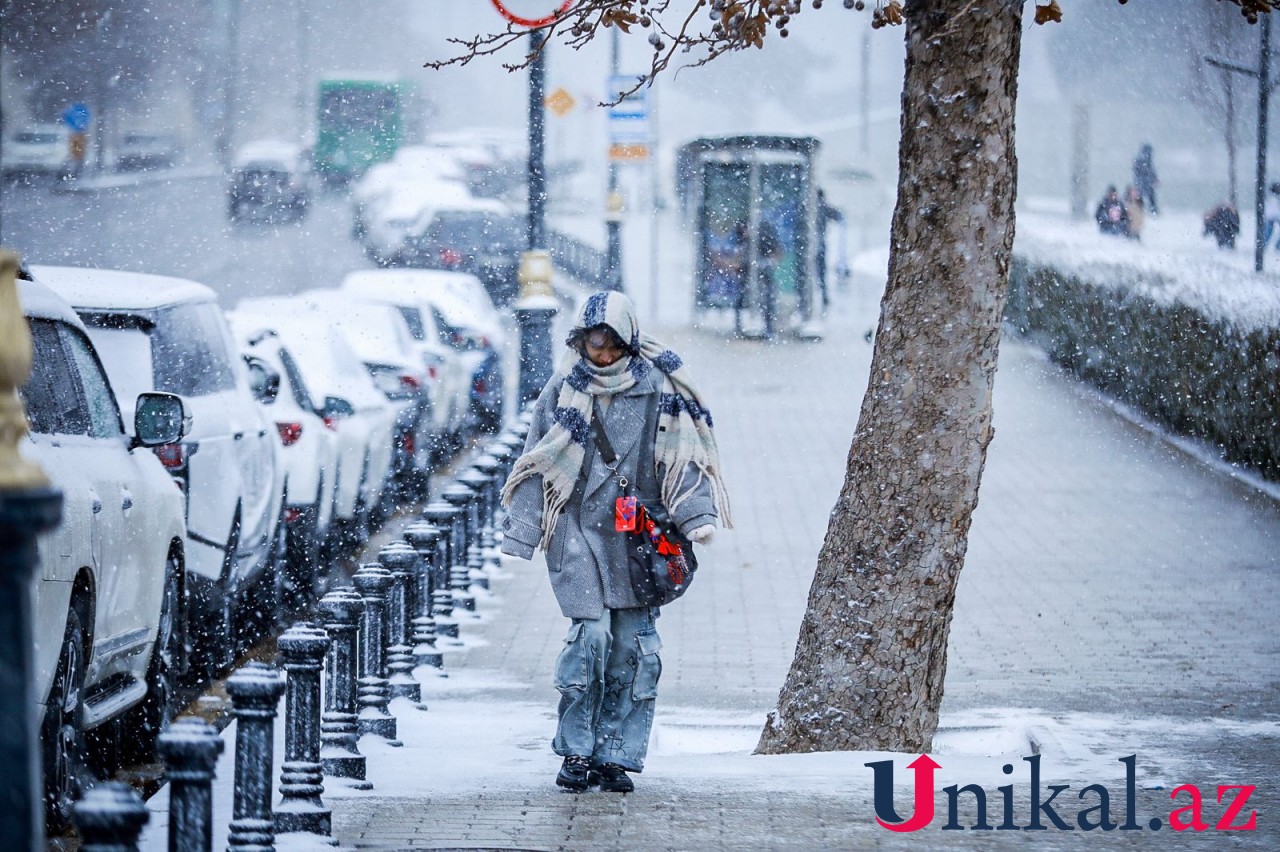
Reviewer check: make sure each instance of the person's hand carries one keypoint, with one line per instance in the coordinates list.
(702, 534)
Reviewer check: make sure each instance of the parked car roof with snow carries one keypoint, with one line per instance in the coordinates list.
(114, 289)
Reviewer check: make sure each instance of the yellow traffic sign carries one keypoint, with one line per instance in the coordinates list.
(560, 102)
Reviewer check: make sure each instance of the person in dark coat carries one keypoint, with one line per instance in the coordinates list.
(1144, 177)
(562, 498)
(1111, 216)
(1222, 222)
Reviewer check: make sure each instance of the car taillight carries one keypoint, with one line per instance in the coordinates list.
(291, 514)
(289, 433)
(172, 456)
(432, 372)
(450, 257)
(410, 382)
(407, 441)
(479, 385)
(330, 422)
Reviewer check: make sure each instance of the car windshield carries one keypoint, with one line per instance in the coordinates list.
(479, 231)
(189, 351)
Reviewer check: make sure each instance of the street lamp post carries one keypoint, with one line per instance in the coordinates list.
(613, 206)
(28, 507)
(537, 305)
(1263, 75)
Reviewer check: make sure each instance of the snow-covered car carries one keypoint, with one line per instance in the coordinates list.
(41, 149)
(269, 176)
(350, 404)
(380, 336)
(458, 328)
(109, 599)
(144, 149)
(393, 217)
(411, 165)
(308, 453)
(481, 236)
(155, 333)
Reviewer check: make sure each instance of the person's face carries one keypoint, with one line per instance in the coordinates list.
(602, 347)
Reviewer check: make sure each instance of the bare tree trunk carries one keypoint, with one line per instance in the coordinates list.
(871, 657)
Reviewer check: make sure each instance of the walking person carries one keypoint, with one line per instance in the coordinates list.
(1144, 177)
(564, 499)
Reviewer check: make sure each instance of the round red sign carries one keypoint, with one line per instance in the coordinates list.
(523, 21)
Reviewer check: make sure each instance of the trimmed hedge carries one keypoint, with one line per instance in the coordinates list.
(1195, 375)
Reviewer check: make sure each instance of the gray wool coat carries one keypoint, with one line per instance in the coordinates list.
(587, 559)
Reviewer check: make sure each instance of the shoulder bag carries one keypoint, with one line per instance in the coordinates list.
(660, 560)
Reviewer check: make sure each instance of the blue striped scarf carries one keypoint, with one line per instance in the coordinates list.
(684, 436)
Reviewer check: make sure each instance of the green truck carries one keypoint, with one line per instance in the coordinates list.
(361, 121)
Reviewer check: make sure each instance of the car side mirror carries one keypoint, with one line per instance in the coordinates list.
(159, 418)
(264, 382)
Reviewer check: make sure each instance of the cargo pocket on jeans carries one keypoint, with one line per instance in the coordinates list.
(648, 667)
(572, 666)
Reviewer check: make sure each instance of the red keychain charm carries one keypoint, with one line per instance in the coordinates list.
(624, 514)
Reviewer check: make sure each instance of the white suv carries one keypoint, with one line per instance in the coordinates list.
(167, 334)
(109, 601)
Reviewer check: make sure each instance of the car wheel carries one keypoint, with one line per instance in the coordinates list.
(164, 675)
(61, 739)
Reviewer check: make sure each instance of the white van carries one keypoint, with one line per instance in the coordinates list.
(155, 333)
(109, 618)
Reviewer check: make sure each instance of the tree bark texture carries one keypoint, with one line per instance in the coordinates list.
(871, 656)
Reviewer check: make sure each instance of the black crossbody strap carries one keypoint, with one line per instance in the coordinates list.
(602, 438)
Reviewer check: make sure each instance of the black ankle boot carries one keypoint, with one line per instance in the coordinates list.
(613, 779)
(573, 773)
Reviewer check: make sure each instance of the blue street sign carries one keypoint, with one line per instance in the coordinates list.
(76, 117)
(634, 105)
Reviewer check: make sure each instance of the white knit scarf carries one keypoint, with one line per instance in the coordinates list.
(684, 424)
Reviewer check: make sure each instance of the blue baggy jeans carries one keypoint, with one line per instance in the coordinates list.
(607, 675)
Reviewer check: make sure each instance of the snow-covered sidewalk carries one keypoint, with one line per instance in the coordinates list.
(1118, 599)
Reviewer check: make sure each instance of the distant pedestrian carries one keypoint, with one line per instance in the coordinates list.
(619, 383)
(1144, 177)
(1135, 212)
(1222, 222)
(826, 214)
(1271, 214)
(1111, 215)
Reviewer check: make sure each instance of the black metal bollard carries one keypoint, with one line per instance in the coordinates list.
(189, 748)
(422, 537)
(302, 649)
(442, 516)
(255, 690)
(479, 482)
(340, 612)
(399, 559)
(109, 817)
(372, 582)
(460, 497)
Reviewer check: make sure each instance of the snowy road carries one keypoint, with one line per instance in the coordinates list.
(179, 227)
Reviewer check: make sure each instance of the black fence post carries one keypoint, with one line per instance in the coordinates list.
(398, 559)
(189, 748)
(109, 817)
(422, 537)
(459, 496)
(442, 516)
(372, 582)
(302, 649)
(255, 690)
(340, 612)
